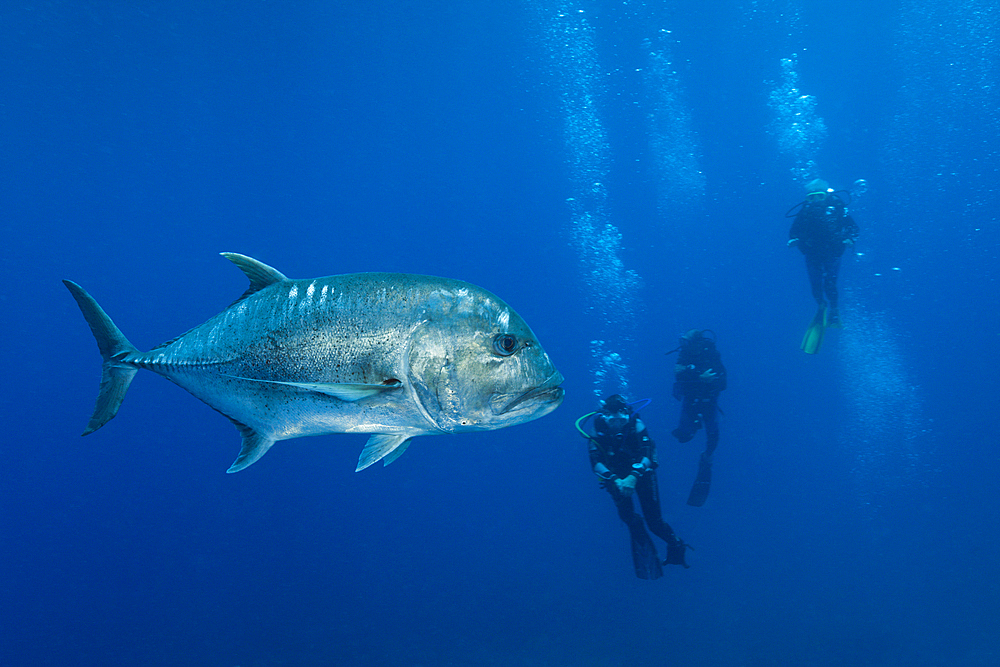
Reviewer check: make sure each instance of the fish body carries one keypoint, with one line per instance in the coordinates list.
(394, 355)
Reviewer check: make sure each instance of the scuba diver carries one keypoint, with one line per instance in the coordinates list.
(822, 230)
(699, 376)
(623, 456)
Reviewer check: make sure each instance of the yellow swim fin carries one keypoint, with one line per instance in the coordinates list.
(814, 334)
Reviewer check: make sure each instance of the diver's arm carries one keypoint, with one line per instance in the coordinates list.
(720, 380)
(602, 471)
(597, 465)
(851, 230)
(646, 449)
(795, 232)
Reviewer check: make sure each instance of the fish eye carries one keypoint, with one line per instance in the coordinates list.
(504, 344)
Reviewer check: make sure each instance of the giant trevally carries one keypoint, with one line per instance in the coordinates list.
(392, 354)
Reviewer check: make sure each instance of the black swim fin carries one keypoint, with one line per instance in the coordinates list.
(814, 334)
(677, 552)
(647, 563)
(702, 483)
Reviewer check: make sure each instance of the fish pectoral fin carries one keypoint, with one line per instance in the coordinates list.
(388, 446)
(255, 445)
(347, 392)
(343, 391)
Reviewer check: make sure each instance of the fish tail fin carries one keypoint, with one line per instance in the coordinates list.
(116, 374)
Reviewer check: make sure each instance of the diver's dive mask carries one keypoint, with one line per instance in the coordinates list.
(617, 422)
(613, 423)
(819, 195)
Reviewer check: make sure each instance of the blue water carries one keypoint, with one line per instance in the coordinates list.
(618, 172)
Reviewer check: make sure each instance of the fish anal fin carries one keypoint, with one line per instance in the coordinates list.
(388, 446)
(396, 453)
(255, 445)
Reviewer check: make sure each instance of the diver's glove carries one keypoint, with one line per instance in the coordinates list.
(676, 551)
(708, 375)
(626, 486)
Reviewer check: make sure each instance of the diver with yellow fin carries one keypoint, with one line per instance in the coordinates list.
(822, 230)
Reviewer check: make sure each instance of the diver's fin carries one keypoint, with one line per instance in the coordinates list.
(382, 446)
(702, 483)
(260, 274)
(255, 445)
(814, 334)
(647, 563)
(343, 391)
(116, 376)
(677, 552)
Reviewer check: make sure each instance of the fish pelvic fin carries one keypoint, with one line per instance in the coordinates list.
(388, 446)
(116, 374)
(260, 274)
(255, 445)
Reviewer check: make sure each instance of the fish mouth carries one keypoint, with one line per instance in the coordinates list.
(549, 393)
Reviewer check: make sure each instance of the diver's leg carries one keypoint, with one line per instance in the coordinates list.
(831, 268)
(689, 423)
(710, 416)
(649, 498)
(814, 267)
(644, 559)
(703, 481)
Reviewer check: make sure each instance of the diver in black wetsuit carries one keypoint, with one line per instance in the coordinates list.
(822, 230)
(699, 377)
(623, 456)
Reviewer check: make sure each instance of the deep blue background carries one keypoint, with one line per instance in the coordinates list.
(852, 517)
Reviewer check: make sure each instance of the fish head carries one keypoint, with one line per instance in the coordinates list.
(475, 365)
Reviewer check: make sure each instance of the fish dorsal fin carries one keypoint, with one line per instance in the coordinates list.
(343, 391)
(388, 446)
(260, 274)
